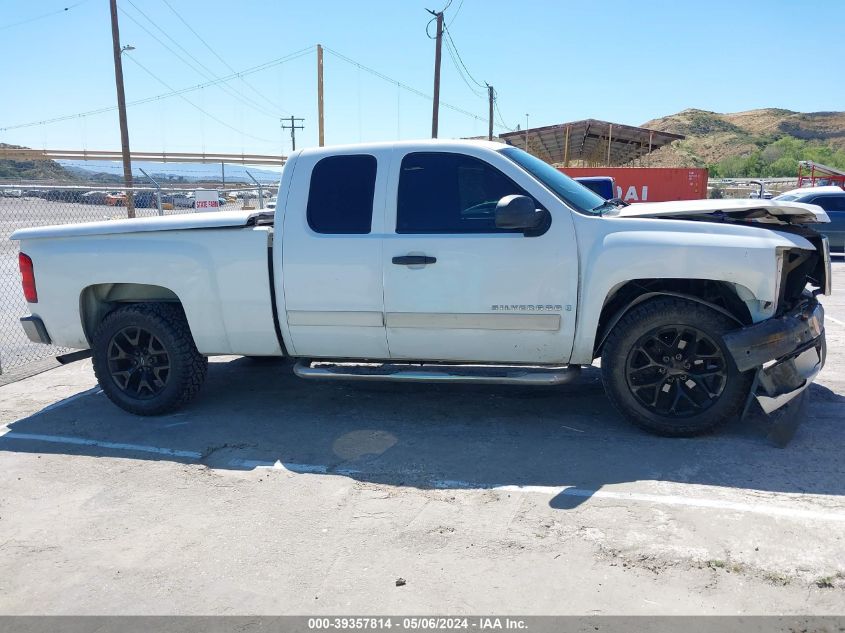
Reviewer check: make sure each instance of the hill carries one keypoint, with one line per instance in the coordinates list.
(765, 142)
(16, 170)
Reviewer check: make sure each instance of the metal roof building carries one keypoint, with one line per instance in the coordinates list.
(589, 142)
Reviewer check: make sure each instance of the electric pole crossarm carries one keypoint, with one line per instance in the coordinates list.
(293, 127)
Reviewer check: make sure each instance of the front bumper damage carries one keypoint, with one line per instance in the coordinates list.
(787, 353)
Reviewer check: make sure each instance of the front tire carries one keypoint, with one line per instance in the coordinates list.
(145, 358)
(666, 368)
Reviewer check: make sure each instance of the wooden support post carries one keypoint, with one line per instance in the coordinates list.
(566, 147)
(650, 138)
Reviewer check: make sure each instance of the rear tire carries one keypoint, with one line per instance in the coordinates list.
(666, 368)
(145, 358)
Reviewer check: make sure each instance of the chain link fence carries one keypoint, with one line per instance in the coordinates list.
(27, 205)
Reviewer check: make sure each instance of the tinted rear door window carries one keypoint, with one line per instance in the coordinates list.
(340, 198)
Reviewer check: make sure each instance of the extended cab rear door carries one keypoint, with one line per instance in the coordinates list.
(458, 288)
(331, 243)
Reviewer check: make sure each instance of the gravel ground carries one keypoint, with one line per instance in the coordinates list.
(277, 496)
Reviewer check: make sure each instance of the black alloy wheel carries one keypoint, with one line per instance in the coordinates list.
(138, 362)
(676, 371)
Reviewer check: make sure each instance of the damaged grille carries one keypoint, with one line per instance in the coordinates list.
(800, 269)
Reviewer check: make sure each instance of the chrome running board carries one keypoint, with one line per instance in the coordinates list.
(537, 375)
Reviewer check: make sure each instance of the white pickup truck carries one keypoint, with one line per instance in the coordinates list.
(447, 261)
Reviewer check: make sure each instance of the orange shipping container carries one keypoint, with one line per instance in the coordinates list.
(650, 184)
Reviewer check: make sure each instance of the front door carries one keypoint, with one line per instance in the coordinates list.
(458, 288)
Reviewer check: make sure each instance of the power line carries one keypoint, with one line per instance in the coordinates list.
(404, 86)
(194, 105)
(173, 93)
(222, 60)
(457, 11)
(455, 48)
(42, 16)
(465, 77)
(208, 74)
(499, 114)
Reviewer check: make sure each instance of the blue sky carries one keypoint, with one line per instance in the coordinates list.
(558, 61)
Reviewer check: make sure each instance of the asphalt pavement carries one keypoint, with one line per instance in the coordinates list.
(274, 495)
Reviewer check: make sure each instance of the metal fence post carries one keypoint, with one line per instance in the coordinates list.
(158, 191)
(260, 190)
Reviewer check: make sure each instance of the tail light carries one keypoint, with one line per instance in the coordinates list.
(28, 278)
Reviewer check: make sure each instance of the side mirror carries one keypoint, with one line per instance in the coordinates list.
(519, 212)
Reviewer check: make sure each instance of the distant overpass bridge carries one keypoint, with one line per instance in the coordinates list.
(10, 153)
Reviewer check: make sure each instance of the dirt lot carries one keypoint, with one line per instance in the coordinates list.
(274, 495)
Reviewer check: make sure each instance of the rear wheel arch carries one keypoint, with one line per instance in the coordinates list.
(99, 300)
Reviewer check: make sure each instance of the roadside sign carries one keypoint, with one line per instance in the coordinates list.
(206, 200)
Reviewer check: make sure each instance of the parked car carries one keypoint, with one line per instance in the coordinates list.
(271, 203)
(469, 261)
(116, 199)
(761, 192)
(144, 199)
(179, 200)
(12, 193)
(64, 195)
(766, 194)
(605, 186)
(830, 198)
(94, 197)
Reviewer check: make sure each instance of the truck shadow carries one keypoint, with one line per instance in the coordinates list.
(438, 436)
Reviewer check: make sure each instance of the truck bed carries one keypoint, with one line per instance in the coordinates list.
(216, 265)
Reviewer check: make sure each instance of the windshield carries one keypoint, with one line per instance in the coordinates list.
(787, 197)
(572, 193)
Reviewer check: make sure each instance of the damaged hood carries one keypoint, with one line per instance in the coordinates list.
(763, 211)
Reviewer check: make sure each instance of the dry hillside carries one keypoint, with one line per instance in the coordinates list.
(15, 170)
(712, 137)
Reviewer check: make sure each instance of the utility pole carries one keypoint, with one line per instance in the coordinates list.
(321, 131)
(121, 109)
(435, 113)
(293, 127)
(491, 97)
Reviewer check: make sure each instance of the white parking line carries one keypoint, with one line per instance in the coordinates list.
(569, 491)
(278, 465)
(830, 318)
(139, 448)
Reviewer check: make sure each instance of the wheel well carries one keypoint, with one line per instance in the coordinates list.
(718, 295)
(97, 301)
